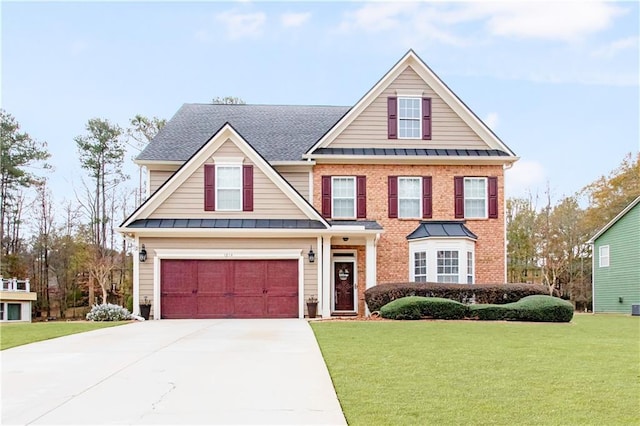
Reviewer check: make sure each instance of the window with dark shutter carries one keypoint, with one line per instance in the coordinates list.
(361, 197)
(427, 208)
(247, 188)
(458, 196)
(393, 196)
(392, 117)
(209, 187)
(493, 196)
(426, 118)
(326, 196)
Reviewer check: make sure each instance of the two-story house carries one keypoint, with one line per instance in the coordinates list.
(255, 208)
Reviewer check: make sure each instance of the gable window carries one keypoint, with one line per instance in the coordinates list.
(604, 256)
(420, 266)
(344, 197)
(447, 266)
(476, 197)
(228, 186)
(409, 197)
(409, 118)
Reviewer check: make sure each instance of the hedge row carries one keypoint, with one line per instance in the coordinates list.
(539, 308)
(497, 294)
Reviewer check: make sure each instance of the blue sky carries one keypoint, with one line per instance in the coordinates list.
(558, 82)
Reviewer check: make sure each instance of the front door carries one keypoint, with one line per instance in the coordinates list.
(343, 286)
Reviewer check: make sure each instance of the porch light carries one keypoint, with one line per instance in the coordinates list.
(312, 255)
(143, 254)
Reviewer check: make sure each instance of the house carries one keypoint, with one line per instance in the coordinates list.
(616, 263)
(255, 208)
(15, 300)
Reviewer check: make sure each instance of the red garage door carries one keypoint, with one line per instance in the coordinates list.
(229, 288)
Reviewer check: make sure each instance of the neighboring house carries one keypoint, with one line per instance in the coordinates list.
(616, 262)
(15, 300)
(255, 208)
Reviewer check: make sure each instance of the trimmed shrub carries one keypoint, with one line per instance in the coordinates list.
(417, 307)
(498, 294)
(538, 308)
(108, 312)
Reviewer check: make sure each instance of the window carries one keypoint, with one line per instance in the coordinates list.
(1, 311)
(469, 267)
(447, 266)
(228, 188)
(343, 197)
(14, 311)
(604, 256)
(409, 118)
(420, 266)
(475, 197)
(409, 196)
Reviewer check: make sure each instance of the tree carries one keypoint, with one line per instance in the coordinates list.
(101, 154)
(142, 129)
(19, 156)
(227, 100)
(521, 248)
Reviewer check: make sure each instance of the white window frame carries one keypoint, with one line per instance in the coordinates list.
(470, 268)
(467, 197)
(400, 118)
(604, 256)
(432, 245)
(447, 276)
(333, 197)
(218, 187)
(419, 277)
(419, 197)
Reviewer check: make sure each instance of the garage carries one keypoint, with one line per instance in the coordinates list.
(229, 288)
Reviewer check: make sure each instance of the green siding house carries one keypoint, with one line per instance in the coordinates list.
(616, 263)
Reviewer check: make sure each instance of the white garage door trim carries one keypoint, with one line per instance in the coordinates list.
(227, 254)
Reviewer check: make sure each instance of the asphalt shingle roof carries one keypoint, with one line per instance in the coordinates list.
(277, 132)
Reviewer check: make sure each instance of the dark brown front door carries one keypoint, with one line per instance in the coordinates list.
(229, 288)
(343, 284)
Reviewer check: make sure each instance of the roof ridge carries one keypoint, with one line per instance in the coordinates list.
(269, 105)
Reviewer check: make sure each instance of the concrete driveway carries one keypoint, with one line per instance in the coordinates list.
(172, 372)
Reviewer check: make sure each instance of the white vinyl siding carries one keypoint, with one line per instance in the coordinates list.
(229, 188)
(475, 198)
(420, 266)
(409, 197)
(603, 256)
(409, 118)
(343, 197)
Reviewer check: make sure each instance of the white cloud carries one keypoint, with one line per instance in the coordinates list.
(491, 120)
(289, 20)
(242, 25)
(615, 47)
(377, 17)
(566, 21)
(524, 177)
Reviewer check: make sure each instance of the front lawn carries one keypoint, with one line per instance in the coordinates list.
(17, 334)
(471, 372)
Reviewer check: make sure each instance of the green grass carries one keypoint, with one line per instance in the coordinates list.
(472, 372)
(22, 333)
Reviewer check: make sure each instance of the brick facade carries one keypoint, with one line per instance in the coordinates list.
(393, 247)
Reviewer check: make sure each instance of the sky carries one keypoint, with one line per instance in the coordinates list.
(557, 82)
